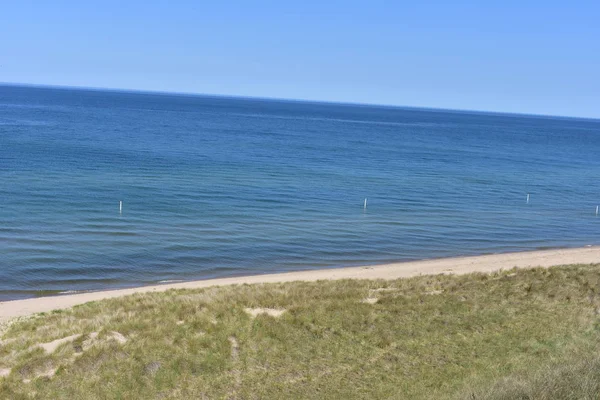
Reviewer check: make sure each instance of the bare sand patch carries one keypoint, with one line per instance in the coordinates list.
(235, 347)
(6, 342)
(93, 339)
(90, 341)
(4, 372)
(49, 373)
(370, 300)
(272, 312)
(51, 347)
(118, 337)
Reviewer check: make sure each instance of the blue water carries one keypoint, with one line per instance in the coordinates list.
(215, 186)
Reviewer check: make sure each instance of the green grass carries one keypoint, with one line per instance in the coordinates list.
(518, 334)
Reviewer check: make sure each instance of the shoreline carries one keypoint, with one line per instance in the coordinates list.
(453, 265)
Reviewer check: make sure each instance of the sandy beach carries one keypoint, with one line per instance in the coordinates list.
(456, 265)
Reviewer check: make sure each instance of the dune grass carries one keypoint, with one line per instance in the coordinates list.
(526, 334)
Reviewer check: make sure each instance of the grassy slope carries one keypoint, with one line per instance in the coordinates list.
(511, 334)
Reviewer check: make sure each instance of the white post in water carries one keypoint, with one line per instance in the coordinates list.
(365, 203)
(527, 198)
(120, 206)
(596, 211)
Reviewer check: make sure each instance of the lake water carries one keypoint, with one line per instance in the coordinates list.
(215, 186)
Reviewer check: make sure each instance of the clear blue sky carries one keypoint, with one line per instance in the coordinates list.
(538, 57)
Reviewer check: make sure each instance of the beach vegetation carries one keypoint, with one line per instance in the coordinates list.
(526, 334)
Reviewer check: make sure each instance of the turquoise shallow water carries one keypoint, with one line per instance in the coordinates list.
(215, 186)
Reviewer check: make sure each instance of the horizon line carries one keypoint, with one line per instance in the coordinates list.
(330, 102)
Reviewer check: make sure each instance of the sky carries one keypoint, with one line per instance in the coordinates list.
(534, 57)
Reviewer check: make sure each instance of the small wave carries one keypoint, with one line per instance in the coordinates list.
(24, 123)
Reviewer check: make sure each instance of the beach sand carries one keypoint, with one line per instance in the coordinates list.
(455, 265)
